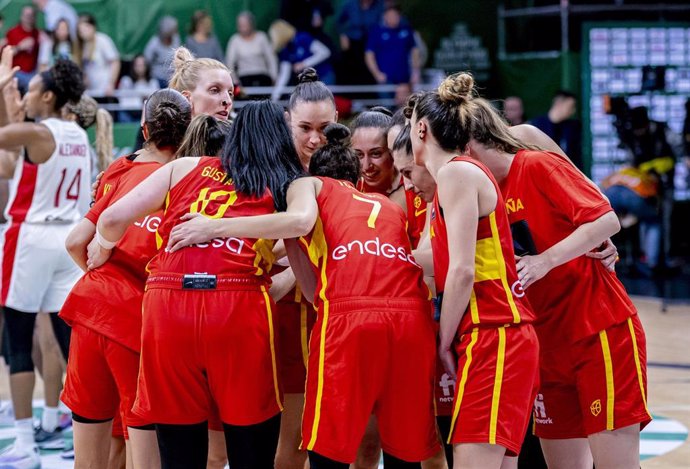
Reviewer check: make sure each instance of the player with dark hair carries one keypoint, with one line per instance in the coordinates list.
(48, 194)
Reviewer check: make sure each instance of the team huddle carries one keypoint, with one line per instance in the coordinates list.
(288, 291)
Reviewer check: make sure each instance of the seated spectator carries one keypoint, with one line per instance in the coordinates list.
(559, 125)
(159, 49)
(354, 21)
(24, 37)
(296, 51)
(56, 10)
(250, 56)
(391, 52)
(135, 88)
(58, 45)
(513, 110)
(100, 58)
(201, 41)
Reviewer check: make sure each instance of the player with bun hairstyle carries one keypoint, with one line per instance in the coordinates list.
(486, 336)
(371, 328)
(311, 108)
(196, 349)
(104, 307)
(48, 194)
(206, 83)
(593, 370)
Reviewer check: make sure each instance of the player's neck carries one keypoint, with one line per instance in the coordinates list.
(152, 154)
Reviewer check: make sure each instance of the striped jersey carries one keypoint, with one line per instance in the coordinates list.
(56, 191)
(496, 294)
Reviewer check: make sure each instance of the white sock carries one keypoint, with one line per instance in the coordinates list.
(49, 420)
(25, 433)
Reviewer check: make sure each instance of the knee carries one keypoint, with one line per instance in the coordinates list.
(21, 362)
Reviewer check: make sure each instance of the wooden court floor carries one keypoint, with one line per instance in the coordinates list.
(668, 347)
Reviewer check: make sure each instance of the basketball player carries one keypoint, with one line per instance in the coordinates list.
(48, 194)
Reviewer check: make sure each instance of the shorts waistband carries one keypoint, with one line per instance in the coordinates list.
(221, 282)
(354, 304)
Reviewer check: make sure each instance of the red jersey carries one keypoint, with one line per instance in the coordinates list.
(206, 190)
(359, 247)
(416, 209)
(548, 196)
(496, 294)
(113, 173)
(416, 216)
(108, 299)
(28, 59)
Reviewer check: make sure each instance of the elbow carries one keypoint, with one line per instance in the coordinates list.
(74, 245)
(613, 225)
(462, 275)
(303, 224)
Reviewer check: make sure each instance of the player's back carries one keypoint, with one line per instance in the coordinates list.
(359, 247)
(58, 189)
(207, 191)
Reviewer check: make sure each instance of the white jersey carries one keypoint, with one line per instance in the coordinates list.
(57, 191)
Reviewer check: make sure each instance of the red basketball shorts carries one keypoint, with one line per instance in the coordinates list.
(203, 346)
(598, 383)
(295, 319)
(371, 356)
(101, 378)
(498, 373)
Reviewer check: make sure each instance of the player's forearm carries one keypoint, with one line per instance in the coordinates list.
(456, 297)
(274, 226)
(281, 284)
(585, 238)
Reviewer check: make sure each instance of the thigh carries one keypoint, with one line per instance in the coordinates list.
(90, 390)
(20, 330)
(172, 384)
(611, 378)
(239, 355)
(405, 408)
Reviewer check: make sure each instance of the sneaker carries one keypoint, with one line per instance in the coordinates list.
(14, 457)
(49, 440)
(68, 453)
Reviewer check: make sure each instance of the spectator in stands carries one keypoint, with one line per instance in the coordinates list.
(355, 19)
(58, 45)
(135, 88)
(298, 50)
(513, 110)
(391, 52)
(100, 58)
(559, 125)
(159, 49)
(24, 37)
(250, 56)
(201, 41)
(56, 10)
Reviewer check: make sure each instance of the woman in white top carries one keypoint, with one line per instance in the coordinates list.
(250, 55)
(100, 58)
(135, 88)
(59, 44)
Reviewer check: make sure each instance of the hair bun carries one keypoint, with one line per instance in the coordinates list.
(181, 57)
(457, 88)
(382, 110)
(336, 134)
(308, 75)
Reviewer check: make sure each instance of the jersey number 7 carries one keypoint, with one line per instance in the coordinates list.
(374, 210)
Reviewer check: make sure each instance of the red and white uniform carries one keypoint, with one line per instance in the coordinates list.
(579, 306)
(372, 348)
(208, 321)
(45, 202)
(497, 347)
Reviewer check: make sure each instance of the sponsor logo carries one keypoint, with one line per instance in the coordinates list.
(540, 416)
(514, 205)
(67, 149)
(234, 245)
(419, 212)
(373, 247)
(595, 407)
(149, 223)
(518, 291)
(447, 384)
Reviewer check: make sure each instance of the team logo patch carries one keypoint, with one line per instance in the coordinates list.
(595, 407)
(417, 202)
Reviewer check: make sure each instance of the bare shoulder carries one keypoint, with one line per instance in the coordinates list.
(180, 168)
(531, 135)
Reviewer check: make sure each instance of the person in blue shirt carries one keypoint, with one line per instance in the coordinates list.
(391, 53)
(355, 18)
